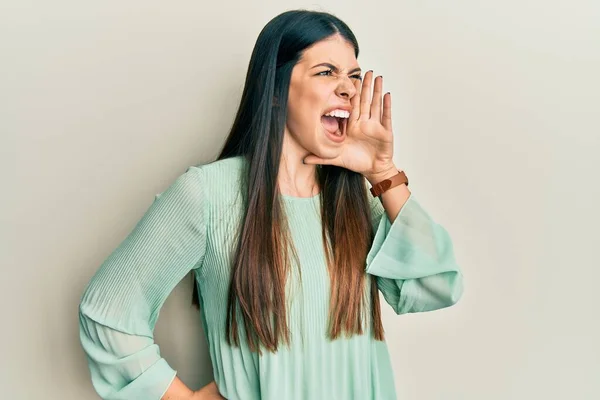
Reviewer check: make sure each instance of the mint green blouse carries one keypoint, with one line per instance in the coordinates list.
(191, 227)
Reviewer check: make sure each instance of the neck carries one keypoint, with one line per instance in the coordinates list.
(296, 178)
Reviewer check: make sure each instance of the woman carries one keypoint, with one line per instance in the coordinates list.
(288, 247)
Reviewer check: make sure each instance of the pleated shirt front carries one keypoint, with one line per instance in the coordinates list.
(193, 226)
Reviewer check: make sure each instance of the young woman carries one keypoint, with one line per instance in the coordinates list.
(288, 246)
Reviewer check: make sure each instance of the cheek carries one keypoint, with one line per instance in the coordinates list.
(304, 118)
(302, 114)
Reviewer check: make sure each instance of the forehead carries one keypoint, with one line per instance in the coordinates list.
(337, 51)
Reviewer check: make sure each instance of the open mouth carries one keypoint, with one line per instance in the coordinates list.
(334, 125)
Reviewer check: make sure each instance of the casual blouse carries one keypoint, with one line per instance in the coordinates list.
(191, 226)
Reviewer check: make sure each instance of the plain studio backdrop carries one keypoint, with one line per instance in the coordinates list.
(495, 113)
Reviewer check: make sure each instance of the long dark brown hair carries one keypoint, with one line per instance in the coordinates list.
(261, 265)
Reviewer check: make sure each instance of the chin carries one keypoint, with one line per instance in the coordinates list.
(326, 151)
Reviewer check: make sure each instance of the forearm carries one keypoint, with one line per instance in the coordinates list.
(178, 391)
(392, 199)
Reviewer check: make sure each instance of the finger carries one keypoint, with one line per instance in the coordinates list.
(365, 96)
(321, 161)
(355, 101)
(386, 119)
(376, 104)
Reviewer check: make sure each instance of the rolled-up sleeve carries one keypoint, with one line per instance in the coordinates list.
(121, 303)
(413, 260)
(124, 366)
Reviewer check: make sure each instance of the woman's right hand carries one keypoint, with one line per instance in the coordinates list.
(208, 392)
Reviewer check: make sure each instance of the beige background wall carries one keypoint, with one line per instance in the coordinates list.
(103, 104)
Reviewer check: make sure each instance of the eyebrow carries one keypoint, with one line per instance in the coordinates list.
(334, 68)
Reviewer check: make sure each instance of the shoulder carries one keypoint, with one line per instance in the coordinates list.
(220, 174)
(206, 179)
(220, 169)
(219, 180)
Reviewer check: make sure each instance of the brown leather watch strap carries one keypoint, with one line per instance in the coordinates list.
(389, 183)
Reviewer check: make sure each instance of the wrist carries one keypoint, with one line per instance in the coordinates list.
(382, 174)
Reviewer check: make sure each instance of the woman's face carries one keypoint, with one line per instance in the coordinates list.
(323, 80)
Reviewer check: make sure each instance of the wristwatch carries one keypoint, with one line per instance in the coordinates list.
(386, 184)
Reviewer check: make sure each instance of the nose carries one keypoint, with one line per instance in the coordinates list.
(346, 88)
